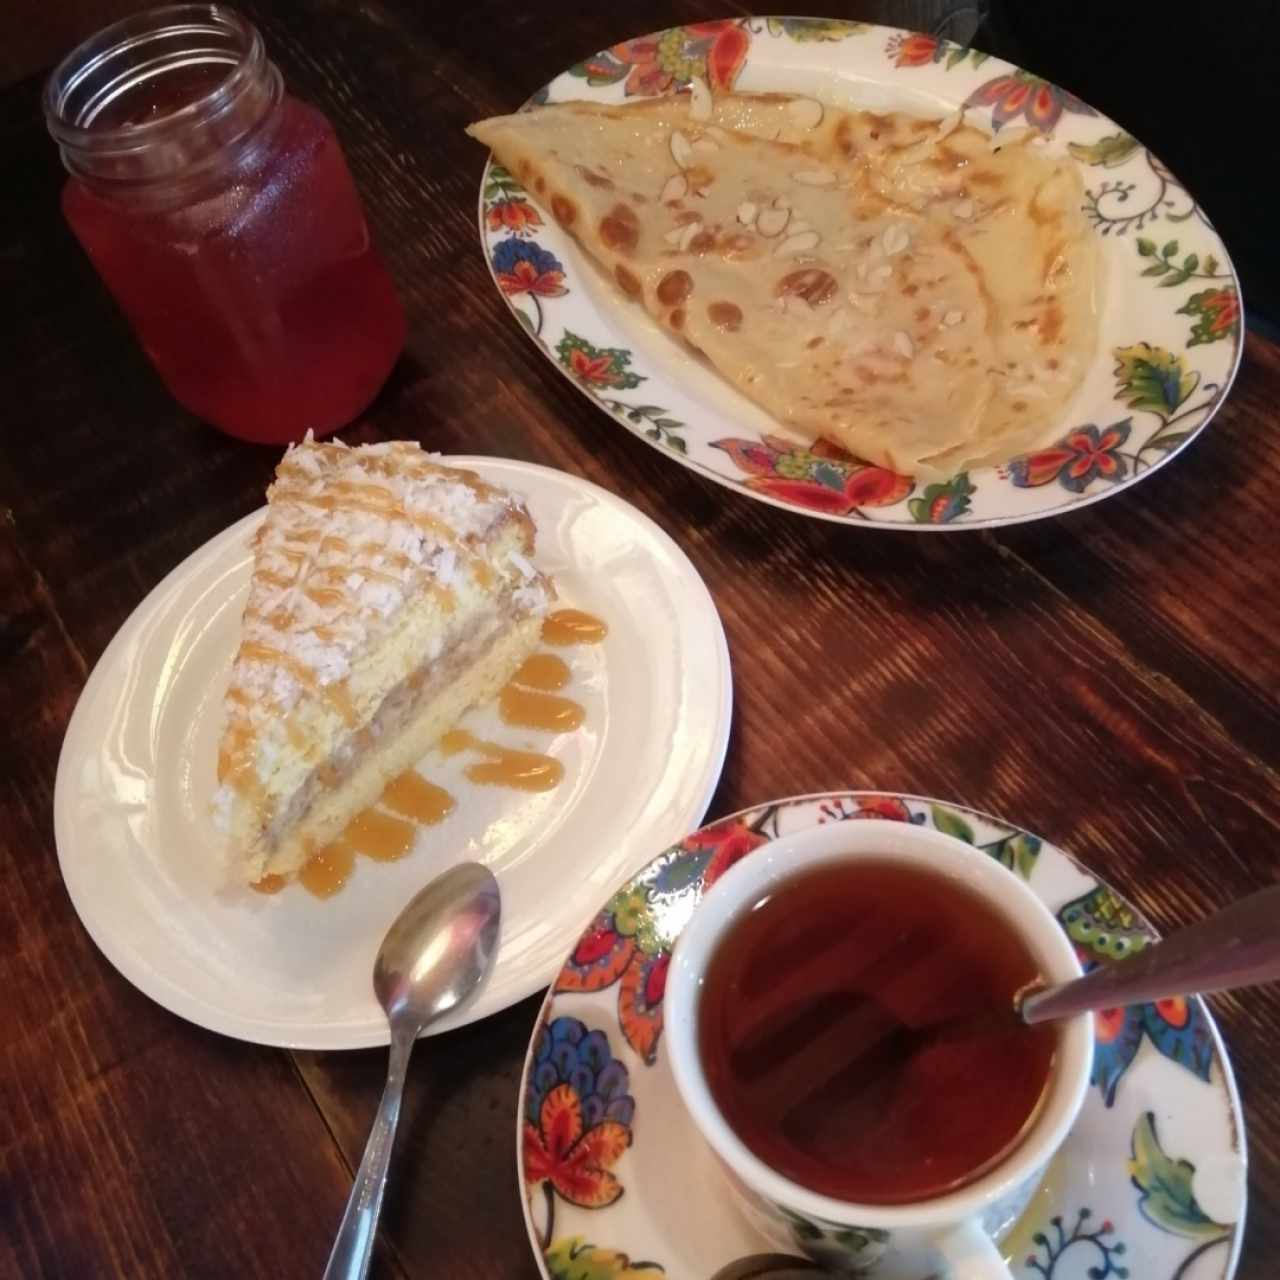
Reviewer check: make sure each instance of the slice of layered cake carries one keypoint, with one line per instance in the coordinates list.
(389, 595)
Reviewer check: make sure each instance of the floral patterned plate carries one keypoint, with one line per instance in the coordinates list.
(1170, 330)
(618, 1185)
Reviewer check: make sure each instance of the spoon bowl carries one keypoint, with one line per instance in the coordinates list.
(440, 946)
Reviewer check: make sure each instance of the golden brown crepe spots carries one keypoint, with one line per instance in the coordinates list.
(814, 284)
(594, 178)
(620, 229)
(627, 282)
(674, 288)
(564, 211)
(913, 289)
(726, 316)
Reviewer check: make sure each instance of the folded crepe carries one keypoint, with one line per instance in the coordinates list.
(911, 289)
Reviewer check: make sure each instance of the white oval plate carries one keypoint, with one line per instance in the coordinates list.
(139, 854)
(1170, 338)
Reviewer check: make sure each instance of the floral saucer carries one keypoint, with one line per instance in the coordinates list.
(1170, 336)
(618, 1185)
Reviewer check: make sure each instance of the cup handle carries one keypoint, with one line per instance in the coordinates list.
(971, 1254)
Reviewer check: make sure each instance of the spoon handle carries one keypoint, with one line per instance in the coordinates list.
(1235, 947)
(353, 1247)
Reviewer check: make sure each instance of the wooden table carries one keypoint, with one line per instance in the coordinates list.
(1108, 679)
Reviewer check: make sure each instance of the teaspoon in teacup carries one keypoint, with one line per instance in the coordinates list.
(1238, 946)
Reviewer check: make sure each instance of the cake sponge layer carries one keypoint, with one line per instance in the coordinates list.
(396, 750)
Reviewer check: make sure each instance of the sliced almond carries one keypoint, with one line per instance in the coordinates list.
(963, 209)
(805, 113)
(675, 188)
(794, 245)
(949, 125)
(952, 318)
(879, 276)
(1012, 137)
(681, 149)
(917, 152)
(699, 100)
(820, 177)
(903, 345)
(772, 222)
(895, 239)
(706, 145)
(687, 234)
(781, 202)
(747, 211)
(673, 236)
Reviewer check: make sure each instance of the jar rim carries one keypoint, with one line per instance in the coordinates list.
(245, 59)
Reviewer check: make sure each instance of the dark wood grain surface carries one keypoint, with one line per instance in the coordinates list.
(1108, 679)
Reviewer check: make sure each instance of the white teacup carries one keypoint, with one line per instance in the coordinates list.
(955, 1234)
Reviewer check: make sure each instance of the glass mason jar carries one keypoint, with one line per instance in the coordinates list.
(221, 214)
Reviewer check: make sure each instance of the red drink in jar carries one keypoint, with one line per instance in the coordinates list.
(221, 214)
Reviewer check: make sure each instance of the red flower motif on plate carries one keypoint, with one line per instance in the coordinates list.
(713, 51)
(914, 50)
(819, 477)
(516, 216)
(573, 1159)
(1039, 103)
(729, 841)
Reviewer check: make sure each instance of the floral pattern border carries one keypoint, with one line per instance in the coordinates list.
(599, 1037)
(1188, 327)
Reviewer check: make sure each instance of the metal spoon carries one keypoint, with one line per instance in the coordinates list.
(1238, 946)
(435, 955)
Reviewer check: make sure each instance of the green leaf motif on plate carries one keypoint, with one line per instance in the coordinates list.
(1169, 442)
(1167, 1200)
(633, 917)
(603, 69)
(1152, 378)
(661, 429)
(1109, 152)
(1217, 313)
(811, 29)
(1161, 263)
(942, 503)
(1018, 852)
(572, 1258)
(499, 184)
(951, 823)
(597, 366)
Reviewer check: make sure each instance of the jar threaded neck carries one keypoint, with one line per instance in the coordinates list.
(160, 95)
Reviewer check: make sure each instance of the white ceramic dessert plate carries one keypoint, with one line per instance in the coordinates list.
(140, 856)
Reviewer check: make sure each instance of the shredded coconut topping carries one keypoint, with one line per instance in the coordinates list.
(350, 535)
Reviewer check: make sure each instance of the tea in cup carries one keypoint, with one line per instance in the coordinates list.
(841, 1026)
